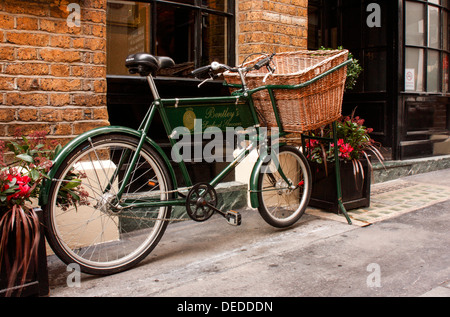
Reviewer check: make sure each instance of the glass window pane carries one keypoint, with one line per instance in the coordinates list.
(415, 23)
(414, 66)
(445, 74)
(375, 71)
(128, 28)
(434, 1)
(351, 29)
(216, 5)
(314, 27)
(214, 39)
(433, 71)
(434, 27)
(175, 33)
(445, 30)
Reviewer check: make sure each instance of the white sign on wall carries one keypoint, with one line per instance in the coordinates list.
(410, 79)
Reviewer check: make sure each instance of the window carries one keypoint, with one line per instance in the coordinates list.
(427, 46)
(192, 32)
(334, 23)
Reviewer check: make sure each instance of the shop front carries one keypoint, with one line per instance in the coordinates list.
(403, 47)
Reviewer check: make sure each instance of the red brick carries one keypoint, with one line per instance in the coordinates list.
(7, 83)
(6, 21)
(26, 38)
(96, 16)
(60, 70)
(22, 99)
(100, 113)
(57, 84)
(28, 84)
(26, 53)
(61, 41)
(72, 115)
(60, 55)
(63, 129)
(27, 69)
(80, 127)
(50, 115)
(6, 53)
(59, 99)
(26, 23)
(19, 7)
(28, 114)
(95, 44)
(89, 100)
(7, 114)
(29, 128)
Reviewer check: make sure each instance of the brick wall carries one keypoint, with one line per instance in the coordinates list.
(271, 26)
(52, 76)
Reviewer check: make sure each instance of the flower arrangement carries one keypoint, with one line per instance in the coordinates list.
(354, 143)
(29, 160)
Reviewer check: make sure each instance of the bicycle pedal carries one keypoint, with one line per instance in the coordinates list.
(233, 218)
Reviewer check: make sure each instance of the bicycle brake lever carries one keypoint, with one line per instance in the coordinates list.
(207, 79)
(212, 77)
(271, 71)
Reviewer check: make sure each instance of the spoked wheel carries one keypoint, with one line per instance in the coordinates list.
(281, 202)
(97, 233)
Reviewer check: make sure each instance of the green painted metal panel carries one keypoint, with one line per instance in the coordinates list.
(222, 114)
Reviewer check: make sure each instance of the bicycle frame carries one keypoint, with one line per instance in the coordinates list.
(168, 109)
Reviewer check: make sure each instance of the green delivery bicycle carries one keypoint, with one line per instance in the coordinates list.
(111, 190)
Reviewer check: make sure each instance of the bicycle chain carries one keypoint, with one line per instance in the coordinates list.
(140, 218)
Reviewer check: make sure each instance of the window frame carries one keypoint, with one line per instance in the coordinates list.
(199, 10)
(427, 48)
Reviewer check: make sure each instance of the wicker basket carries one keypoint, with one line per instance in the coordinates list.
(302, 109)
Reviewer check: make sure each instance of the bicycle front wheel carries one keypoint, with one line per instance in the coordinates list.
(283, 198)
(87, 224)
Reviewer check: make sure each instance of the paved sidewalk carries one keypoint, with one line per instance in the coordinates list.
(402, 252)
(393, 198)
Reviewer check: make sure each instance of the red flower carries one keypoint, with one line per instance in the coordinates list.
(22, 182)
(345, 150)
(312, 144)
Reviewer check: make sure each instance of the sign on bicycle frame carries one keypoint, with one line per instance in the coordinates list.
(225, 114)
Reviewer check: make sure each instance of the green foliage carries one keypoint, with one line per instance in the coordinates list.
(353, 70)
(354, 142)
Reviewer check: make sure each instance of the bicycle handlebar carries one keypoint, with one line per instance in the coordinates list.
(217, 66)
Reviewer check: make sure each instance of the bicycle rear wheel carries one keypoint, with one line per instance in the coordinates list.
(96, 233)
(279, 204)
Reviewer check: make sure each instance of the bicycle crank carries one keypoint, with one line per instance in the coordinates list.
(201, 203)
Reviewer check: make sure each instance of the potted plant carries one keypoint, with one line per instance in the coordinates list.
(23, 260)
(355, 146)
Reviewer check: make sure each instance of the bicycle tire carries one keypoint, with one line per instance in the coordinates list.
(280, 206)
(94, 235)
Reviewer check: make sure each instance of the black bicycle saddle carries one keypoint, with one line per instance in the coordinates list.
(145, 64)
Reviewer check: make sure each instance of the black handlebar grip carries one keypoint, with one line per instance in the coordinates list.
(201, 70)
(262, 63)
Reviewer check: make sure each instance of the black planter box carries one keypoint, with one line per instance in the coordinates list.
(355, 191)
(36, 283)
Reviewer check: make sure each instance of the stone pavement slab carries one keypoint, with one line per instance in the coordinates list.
(438, 292)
